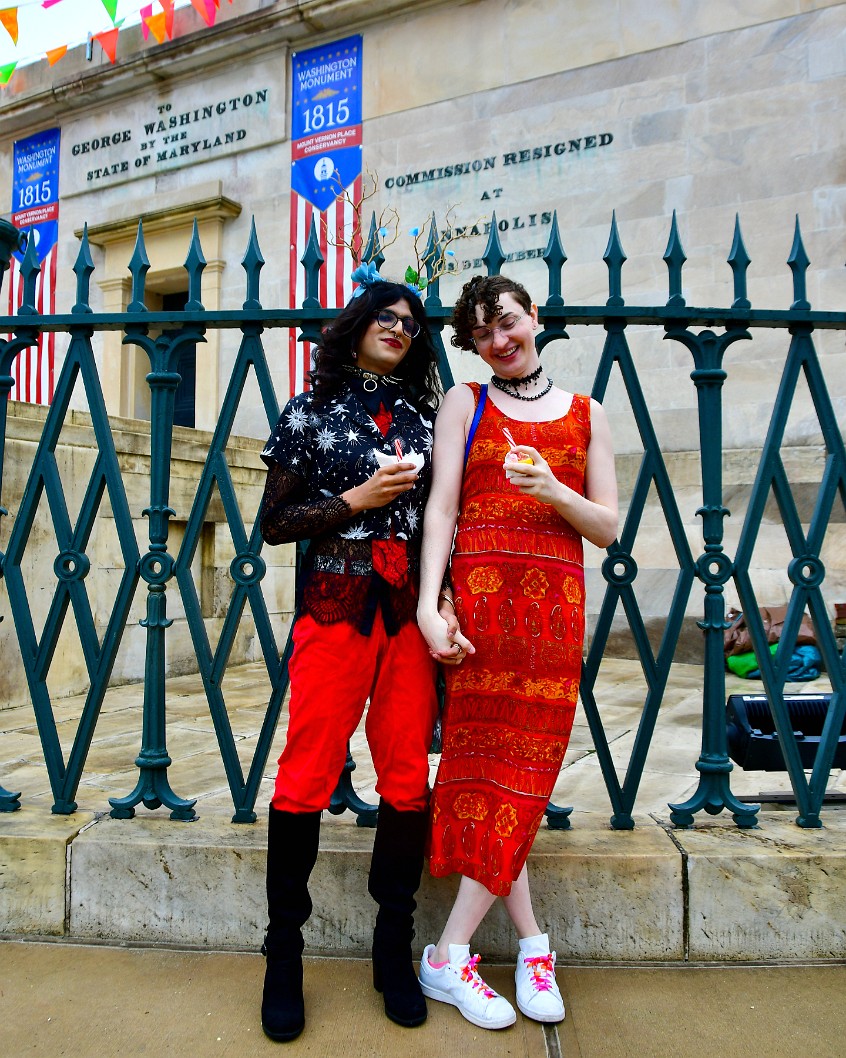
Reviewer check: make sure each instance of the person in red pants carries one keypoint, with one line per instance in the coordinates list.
(349, 467)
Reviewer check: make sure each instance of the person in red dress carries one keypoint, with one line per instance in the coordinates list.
(523, 471)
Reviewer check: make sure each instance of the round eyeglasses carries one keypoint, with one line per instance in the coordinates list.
(387, 320)
(483, 336)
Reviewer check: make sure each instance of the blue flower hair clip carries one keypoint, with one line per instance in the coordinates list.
(366, 275)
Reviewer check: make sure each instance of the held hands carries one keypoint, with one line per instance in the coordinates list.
(385, 485)
(536, 478)
(443, 636)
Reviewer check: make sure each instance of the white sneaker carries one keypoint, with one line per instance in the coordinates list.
(538, 996)
(459, 984)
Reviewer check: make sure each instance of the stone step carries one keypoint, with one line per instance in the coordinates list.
(655, 894)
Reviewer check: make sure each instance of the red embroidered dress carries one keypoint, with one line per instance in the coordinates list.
(518, 578)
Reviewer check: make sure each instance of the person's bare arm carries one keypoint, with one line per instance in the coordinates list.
(440, 518)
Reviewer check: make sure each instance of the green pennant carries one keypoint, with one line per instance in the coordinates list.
(7, 71)
(111, 7)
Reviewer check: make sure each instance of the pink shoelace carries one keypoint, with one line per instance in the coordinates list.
(542, 969)
(469, 974)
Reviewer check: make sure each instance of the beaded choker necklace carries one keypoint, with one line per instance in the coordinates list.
(524, 380)
(509, 386)
(370, 379)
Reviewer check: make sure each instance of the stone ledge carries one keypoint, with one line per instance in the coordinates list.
(203, 884)
(34, 856)
(770, 893)
(654, 894)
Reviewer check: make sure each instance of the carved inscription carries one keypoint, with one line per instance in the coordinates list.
(170, 135)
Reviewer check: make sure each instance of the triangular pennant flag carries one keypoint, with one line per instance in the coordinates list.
(7, 71)
(50, 3)
(9, 18)
(108, 42)
(205, 9)
(145, 13)
(111, 7)
(167, 7)
(55, 54)
(156, 25)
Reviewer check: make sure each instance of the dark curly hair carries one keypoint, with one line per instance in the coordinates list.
(484, 291)
(418, 369)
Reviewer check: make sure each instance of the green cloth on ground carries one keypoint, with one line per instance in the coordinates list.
(743, 664)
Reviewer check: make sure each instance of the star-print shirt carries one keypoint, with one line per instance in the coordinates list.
(353, 563)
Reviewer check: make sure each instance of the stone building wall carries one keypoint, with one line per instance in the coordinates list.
(528, 109)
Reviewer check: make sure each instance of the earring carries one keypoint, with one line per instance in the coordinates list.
(354, 352)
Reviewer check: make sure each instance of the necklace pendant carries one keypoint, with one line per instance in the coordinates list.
(369, 385)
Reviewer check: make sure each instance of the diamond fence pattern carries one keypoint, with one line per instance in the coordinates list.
(705, 334)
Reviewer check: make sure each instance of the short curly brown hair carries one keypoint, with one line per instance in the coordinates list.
(484, 291)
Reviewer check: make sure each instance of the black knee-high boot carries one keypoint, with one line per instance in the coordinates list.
(395, 872)
(292, 841)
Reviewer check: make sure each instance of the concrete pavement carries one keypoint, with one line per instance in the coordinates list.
(104, 1002)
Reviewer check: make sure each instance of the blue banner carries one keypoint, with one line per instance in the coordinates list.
(35, 189)
(326, 120)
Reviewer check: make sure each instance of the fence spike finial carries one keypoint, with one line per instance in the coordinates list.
(30, 269)
(493, 256)
(675, 257)
(252, 263)
(139, 266)
(373, 249)
(739, 262)
(195, 262)
(312, 260)
(83, 267)
(615, 258)
(799, 263)
(555, 257)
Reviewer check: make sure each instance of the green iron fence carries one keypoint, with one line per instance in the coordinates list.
(705, 332)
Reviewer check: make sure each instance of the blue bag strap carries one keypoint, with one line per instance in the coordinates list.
(480, 407)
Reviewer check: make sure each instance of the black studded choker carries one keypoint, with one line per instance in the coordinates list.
(370, 379)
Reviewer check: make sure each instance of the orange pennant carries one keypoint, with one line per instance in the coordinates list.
(157, 26)
(167, 7)
(108, 42)
(9, 19)
(206, 9)
(55, 54)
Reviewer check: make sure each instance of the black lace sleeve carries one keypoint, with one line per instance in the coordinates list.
(284, 519)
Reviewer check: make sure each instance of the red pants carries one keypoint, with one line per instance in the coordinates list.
(334, 669)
